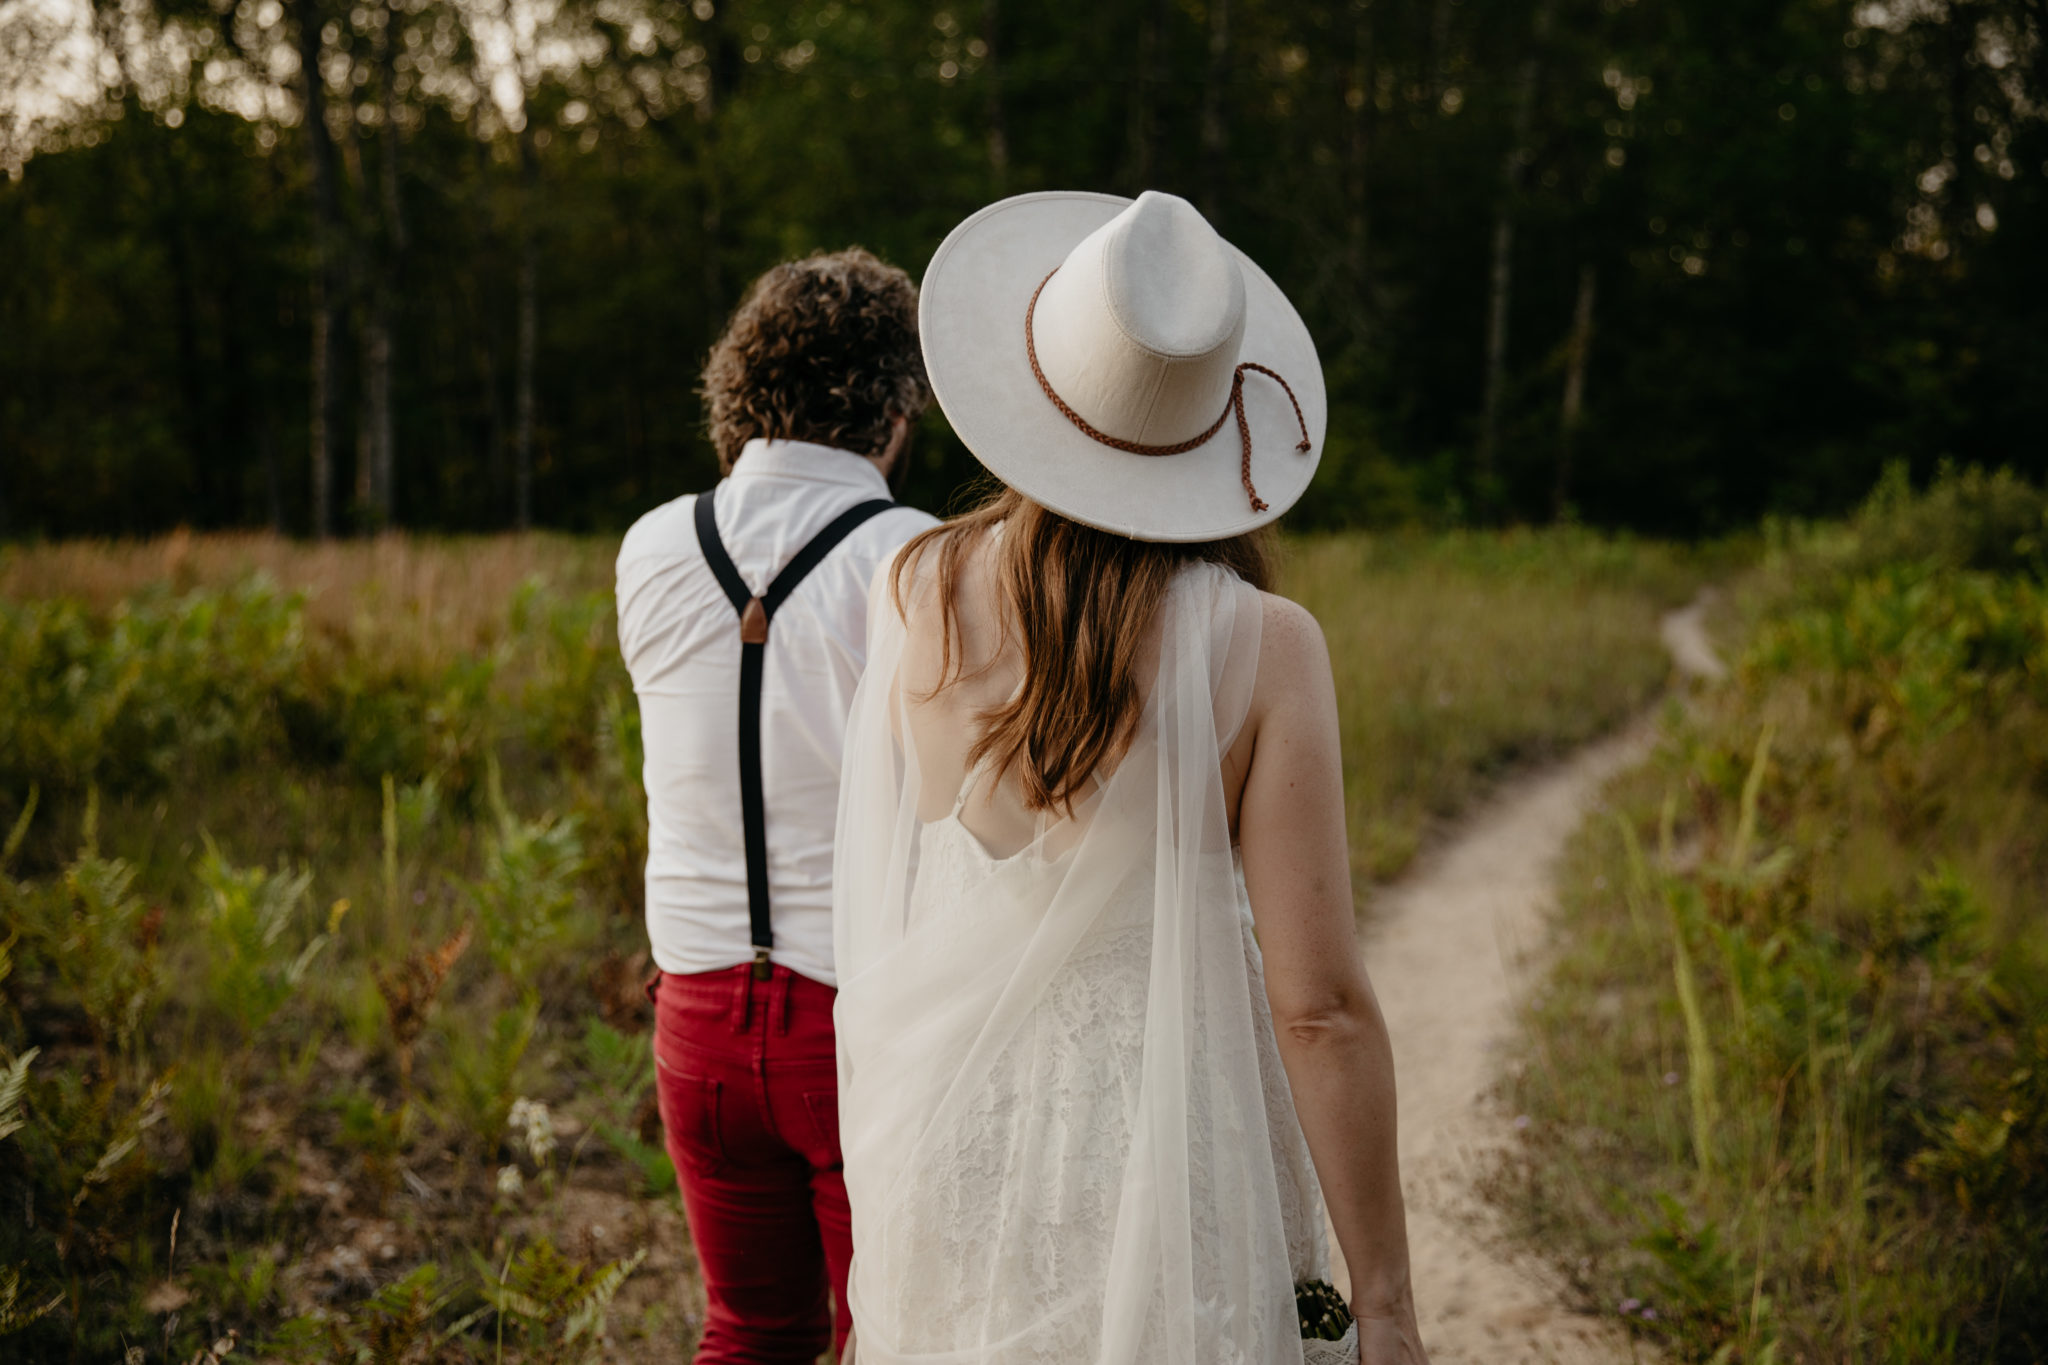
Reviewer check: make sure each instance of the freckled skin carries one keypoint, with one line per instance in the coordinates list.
(1284, 781)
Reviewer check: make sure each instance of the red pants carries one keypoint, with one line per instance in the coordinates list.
(749, 1092)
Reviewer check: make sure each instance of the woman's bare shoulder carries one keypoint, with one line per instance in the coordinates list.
(1291, 642)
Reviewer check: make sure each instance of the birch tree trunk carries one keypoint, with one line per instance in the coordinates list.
(1215, 127)
(330, 280)
(1500, 283)
(1574, 390)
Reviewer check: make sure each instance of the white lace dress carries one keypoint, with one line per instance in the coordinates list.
(1067, 1134)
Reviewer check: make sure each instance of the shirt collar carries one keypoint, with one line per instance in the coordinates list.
(809, 461)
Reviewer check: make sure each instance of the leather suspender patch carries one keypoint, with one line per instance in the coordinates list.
(755, 614)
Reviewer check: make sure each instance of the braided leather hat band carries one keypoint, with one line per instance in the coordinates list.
(1234, 404)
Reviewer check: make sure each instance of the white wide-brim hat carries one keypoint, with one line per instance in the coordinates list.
(1142, 321)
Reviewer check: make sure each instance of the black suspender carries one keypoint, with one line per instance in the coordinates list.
(755, 613)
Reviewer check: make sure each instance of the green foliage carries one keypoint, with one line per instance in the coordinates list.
(246, 914)
(555, 1308)
(15, 1312)
(223, 1020)
(13, 1080)
(1849, 972)
(148, 692)
(622, 1072)
(526, 896)
(88, 940)
(400, 1322)
(483, 1077)
(1811, 227)
(244, 1287)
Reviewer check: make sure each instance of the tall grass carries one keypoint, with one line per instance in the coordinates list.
(1462, 655)
(1788, 1083)
(321, 912)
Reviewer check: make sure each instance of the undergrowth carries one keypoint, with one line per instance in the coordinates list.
(303, 938)
(321, 1030)
(1786, 1088)
(1465, 655)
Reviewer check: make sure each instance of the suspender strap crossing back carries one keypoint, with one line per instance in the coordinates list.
(755, 613)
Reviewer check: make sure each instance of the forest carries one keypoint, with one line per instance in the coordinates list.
(453, 265)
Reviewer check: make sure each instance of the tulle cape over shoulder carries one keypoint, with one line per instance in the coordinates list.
(1066, 1134)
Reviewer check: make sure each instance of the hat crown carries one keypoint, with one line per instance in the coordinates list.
(1139, 328)
(1170, 282)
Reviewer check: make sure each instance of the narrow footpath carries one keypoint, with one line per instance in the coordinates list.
(1452, 947)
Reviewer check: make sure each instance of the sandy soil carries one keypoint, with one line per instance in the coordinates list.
(1451, 948)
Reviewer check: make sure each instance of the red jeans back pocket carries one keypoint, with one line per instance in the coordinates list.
(689, 1114)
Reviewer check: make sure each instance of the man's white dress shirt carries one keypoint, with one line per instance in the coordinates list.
(681, 639)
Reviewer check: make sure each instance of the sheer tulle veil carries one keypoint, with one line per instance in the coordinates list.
(1066, 1132)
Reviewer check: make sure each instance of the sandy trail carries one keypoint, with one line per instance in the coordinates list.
(1451, 949)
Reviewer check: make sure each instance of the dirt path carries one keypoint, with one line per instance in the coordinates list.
(1450, 950)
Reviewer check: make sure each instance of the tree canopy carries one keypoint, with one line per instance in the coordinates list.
(1660, 263)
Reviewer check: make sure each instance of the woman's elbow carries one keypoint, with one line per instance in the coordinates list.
(1325, 1019)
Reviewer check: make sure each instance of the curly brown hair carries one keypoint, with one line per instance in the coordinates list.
(823, 349)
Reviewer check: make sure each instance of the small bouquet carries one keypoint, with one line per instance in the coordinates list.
(1329, 1334)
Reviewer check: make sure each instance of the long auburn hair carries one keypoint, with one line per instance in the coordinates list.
(1077, 602)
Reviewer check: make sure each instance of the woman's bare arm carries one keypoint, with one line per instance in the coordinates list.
(1332, 1038)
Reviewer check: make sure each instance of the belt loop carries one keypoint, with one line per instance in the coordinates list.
(782, 1018)
(743, 1001)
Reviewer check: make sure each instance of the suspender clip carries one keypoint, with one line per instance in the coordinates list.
(761, 967)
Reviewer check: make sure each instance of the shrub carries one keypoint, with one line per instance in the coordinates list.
(1818, 910)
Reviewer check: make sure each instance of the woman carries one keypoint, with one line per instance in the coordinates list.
(1086, 1115)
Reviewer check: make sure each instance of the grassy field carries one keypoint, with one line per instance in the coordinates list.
(1786, 1091)
(321, 1017)
(1461, 655)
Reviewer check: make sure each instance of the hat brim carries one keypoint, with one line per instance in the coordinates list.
(971, 321)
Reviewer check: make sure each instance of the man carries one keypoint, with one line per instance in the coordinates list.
(812, 393)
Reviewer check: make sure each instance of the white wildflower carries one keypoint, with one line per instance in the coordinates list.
(510, 1182)
(535, 1128)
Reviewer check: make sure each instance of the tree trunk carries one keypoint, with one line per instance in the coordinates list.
(998, 132)
(1439, 48)
(722, 72)
(501, 498)
(1574, 390)
(273, 476)
(374, 455)
(1500, 283)
(1215, 129)
(1144, 126)
(1359, 96)
(383, 501)
(330, 282)
(200, 437)
(529, 327)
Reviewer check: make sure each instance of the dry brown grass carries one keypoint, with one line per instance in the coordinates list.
(415, 596)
